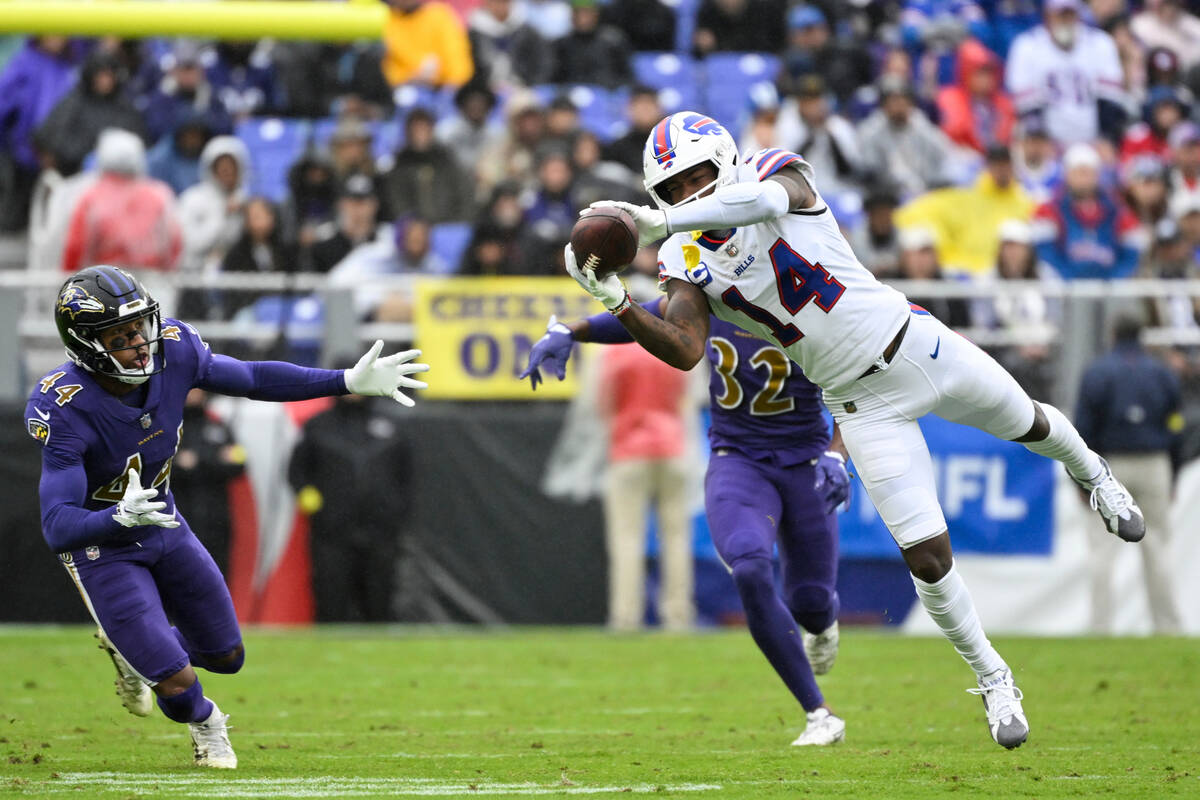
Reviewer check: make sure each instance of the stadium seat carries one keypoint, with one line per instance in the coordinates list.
(673, 75)
(449, 240)
(274, 145)
(601, 110)
(729, 77)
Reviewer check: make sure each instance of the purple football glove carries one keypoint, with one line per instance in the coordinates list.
(552, 350)
(833, 481)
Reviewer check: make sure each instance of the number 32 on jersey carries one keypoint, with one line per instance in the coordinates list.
(766, 401)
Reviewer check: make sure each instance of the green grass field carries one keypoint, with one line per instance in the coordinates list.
(360, 712)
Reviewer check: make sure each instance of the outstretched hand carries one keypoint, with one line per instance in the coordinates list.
(833, 481)
(384, 377)
(552, 350)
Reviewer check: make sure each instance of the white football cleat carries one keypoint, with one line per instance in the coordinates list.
(1120, 513)
(823, 728)
(1002, 700)
(210, 741)
(134, 693)
(822, 649)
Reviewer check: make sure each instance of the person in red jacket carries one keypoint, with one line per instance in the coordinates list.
(124, 218)
(976, 112)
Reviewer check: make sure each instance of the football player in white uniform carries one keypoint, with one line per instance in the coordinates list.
(753, 242)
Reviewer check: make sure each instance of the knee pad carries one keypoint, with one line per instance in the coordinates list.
(189, 705)
(754, 579)
(227, 665)
(809, 599)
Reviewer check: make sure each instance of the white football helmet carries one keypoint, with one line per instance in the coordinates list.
(680, 142)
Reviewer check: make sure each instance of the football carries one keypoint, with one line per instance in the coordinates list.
(604, 240)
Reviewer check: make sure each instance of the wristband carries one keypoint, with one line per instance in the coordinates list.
(623, 306)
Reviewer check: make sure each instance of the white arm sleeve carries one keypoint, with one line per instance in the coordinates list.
(731, 207)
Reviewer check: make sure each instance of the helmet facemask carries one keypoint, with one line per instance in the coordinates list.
(91, 354)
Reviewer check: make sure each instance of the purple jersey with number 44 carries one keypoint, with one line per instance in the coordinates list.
(762, 405)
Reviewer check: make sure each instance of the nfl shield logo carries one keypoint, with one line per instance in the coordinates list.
(92, 553)
(850, 407)
(731, 251)
(145, 420)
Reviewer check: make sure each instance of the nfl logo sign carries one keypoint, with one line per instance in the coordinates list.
(145, 420)
(92, 553)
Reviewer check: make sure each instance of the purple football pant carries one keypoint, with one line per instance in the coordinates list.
(132, 590)
(752, 506)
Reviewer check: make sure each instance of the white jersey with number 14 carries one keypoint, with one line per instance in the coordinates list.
(794, 282)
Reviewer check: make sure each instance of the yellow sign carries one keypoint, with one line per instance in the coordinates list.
(476, 334)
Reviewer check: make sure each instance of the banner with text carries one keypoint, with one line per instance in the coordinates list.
(476, 334)
(997, 496)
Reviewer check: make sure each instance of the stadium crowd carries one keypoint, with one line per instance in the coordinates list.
(957, 140)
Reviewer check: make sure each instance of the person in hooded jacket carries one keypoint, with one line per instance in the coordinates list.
(123, 218)
(97, 102)
(310, 211)
(975, 111)
(211, 211)
(183, 94)
(31, 85)
(175, 160)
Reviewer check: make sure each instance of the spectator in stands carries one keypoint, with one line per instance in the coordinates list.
(843, 63)
(513, 157)
(208, 458)
(351, 151)
(426, 43)
(966, 219)
(402, 248)
(357, 221)
(311, 205)
(261, 248)
(596, 179)
(562, 123)
(1035, 160)
(1025, 313)
(1184, 142)
(1166, 24)
(643, 111)
(739, 26)
(1144, 185)
(124, 218)
(470, 132)
(413, 243)
(1081, 232)
(309, 77)
(827, 140)
(506, 49)
(1171, 258)
(919, 262)
(500, 243)
(184, 93)
(1185, 211)
(762, 130)
(97, 102)
(876, 242)
(362, 89)
(175, 160)
(592, 52)
(32, 83)
(1132, 54)
(1129, 412)
(1070, 73)
(900, 143)
(356, 530)
(551, 211)
(244, 77)
(211, 211)
(975, 112)
(1165, 107)
(648, 24)
(426, 179)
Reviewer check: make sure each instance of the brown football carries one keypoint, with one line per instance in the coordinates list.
(604, 240)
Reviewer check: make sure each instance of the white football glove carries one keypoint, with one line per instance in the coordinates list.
(651, 223)
(385, 376)
(137, 507)
(610, 290)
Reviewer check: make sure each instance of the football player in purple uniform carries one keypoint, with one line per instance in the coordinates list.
(773, 478)
(109, 421)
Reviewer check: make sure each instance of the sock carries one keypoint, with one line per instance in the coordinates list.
(775, 632)
(189, 706)
(949, 604)
(1066, 445)
(199, 659)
